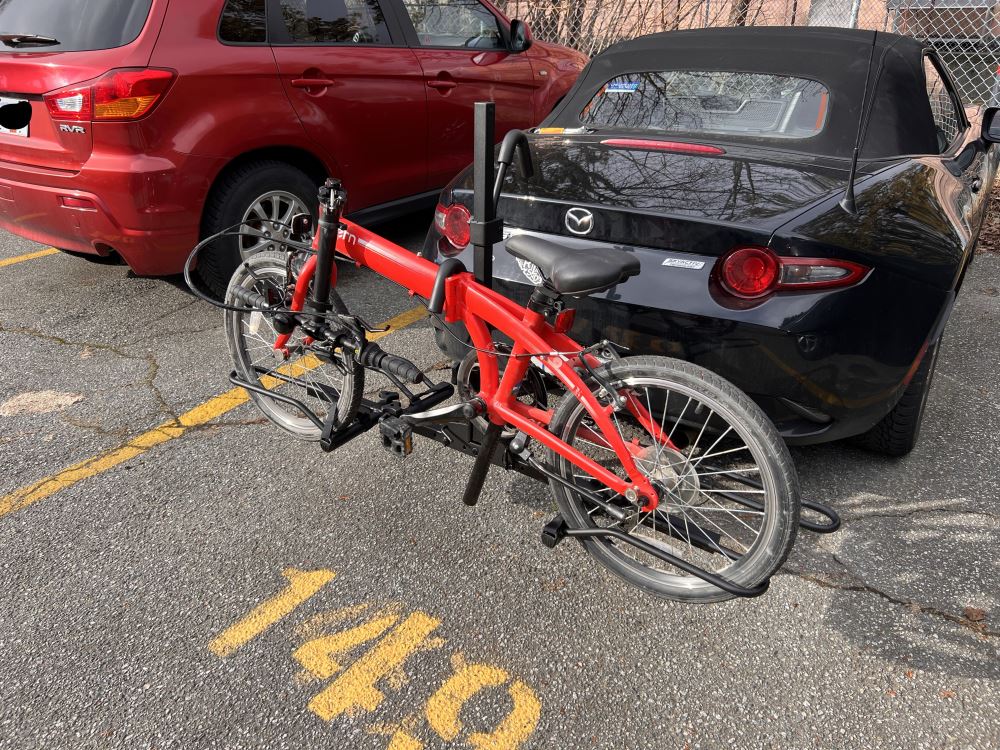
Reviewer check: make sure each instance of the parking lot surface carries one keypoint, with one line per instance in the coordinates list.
(175, 573)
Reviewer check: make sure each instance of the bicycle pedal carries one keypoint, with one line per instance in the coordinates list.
(397, 436)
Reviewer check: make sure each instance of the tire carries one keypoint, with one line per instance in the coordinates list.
(898, 431)
(248, 340)
(778, 520)
(230, 201)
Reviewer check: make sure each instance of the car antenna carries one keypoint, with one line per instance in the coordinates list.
(847, 202)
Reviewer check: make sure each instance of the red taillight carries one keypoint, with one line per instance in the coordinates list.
(755, 272)
(677, 147)
(118, 95)
(750, 272)
(453, 222)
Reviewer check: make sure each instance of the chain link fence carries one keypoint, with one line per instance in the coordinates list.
(964, 32)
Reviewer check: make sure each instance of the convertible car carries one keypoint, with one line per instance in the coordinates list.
(804, 203)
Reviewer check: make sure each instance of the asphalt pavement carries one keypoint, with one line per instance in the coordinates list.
(174, 573)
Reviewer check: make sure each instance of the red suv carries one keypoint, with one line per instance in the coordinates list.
(157, 122)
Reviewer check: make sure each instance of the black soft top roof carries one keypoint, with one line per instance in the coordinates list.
(900, 119)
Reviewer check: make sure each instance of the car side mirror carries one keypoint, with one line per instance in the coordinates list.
(520, 36)
(991, 125)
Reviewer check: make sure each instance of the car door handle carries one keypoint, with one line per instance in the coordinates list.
(442, 85)
(311, 83)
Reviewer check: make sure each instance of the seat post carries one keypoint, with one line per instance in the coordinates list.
(544, 301)
(486, 228)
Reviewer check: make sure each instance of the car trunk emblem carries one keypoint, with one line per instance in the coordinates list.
(694, 265)
(579, 221)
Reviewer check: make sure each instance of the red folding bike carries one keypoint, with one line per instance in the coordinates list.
(669, 475)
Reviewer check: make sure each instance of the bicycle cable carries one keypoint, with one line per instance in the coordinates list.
(231, 231)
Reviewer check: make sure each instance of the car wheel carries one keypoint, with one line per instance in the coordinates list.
(897, 433)
(265, 195)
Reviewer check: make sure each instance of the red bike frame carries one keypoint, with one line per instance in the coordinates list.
(480, 309)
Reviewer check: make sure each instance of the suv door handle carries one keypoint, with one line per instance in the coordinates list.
(311, 83)
(442, 85)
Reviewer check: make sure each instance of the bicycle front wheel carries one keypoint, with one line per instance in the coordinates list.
(319, 380)
(729, 492)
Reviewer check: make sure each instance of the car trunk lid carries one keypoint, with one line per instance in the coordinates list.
(703, 203)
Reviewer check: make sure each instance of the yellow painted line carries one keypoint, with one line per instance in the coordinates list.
(445, 706)
(356, 689)
(302, 586)
(199, 415)
(28, 256)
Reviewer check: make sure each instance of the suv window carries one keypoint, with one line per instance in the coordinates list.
(76, 24)
(758, 105)
(334, 21)
(454, 23)
(947, 119)
(243, 22)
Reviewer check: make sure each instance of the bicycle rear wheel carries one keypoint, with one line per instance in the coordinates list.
(729, 492)
(323, 379)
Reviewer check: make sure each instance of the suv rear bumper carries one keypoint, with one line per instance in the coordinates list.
(147, 209)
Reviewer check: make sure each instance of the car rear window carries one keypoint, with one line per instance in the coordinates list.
(75, 24)
(758, 105)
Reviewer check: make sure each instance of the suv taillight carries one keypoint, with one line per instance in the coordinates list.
(756, 272)
(117, 96)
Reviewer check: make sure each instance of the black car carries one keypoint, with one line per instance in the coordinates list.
(724, 160)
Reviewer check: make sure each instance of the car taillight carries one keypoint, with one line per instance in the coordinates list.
(819, 273)
(453, 222)
(755, 272)
(750, 272)
(118, 95)
(69, 104)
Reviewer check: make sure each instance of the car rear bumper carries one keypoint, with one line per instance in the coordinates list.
(146, 209)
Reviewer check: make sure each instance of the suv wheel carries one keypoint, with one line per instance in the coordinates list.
(265, 195)
(897, 433)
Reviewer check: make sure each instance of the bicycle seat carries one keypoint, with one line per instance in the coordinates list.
(575, 271)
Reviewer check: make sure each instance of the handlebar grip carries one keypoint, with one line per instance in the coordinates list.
(249, 298)
(376, 358)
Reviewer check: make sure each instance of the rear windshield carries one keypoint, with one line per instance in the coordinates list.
(758, 105)
(75, 24)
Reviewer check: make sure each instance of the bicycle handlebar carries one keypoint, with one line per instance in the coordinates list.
(514, 143)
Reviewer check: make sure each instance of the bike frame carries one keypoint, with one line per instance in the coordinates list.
(480, 309)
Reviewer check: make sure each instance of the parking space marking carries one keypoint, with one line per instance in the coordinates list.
(28, 256)
(196, 417)
(389, 640)
(444, 707)
(302, 586)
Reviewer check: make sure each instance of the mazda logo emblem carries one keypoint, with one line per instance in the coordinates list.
(579, 221)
